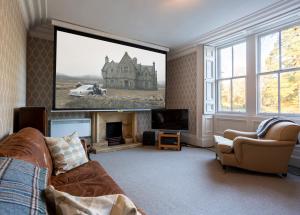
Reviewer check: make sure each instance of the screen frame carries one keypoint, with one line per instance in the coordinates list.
(107, 39)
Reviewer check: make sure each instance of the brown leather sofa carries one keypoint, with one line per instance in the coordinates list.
(270, 154)
(89, 179)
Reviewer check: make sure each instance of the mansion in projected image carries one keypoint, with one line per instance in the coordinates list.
(128, 74)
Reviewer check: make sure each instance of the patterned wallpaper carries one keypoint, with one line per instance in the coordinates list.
(181, 86)
(12, 63)
(143, 123)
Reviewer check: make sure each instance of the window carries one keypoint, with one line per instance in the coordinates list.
(231, 78)
(278, 73)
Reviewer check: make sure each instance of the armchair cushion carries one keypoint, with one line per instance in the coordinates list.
(223, 145)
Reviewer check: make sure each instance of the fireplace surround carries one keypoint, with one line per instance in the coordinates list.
(124, 123)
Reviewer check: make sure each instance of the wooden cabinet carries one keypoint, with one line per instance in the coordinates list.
(169, 140)
(35, 117)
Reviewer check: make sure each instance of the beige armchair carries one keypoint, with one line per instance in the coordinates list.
(270, 154)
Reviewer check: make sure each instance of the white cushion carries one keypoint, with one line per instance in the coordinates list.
(223, 145)
(67, 152)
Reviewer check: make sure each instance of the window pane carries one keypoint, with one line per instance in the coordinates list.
(269, 52)
(239, 59)
(225, 95)
(225, 63)
(268, 90)
(290, 47)
(239, 95)
(290, 92)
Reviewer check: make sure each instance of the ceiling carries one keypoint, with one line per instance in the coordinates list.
(170, 23)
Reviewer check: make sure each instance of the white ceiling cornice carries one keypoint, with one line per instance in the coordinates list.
(43, 31)
(278, 10)
(34, 12)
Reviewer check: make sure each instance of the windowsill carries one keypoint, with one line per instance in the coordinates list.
(233, 114)
(259, 115)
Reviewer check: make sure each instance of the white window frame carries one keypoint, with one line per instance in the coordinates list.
(278, 72)
(218, 79)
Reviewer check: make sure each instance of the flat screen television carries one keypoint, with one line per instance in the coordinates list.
(98, 73)
(170, 119)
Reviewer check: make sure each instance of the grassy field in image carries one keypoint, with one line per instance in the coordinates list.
(114, 98)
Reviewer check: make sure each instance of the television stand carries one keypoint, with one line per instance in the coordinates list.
(169, 140)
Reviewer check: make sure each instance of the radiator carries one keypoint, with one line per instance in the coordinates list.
(63, 127)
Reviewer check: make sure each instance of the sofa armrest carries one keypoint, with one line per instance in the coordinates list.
(84, 145)
(231, 134)
(240, 143)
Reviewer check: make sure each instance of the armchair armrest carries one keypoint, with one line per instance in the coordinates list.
(231, 134)
(239, 142)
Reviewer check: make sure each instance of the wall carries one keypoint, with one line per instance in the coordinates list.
(181, 86)
(12, 63)
(40, 79)
(185, 90)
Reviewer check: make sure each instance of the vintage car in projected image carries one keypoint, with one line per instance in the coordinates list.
(97, 74)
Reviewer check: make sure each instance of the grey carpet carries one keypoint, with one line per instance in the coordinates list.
(294, 170)
(191, 182)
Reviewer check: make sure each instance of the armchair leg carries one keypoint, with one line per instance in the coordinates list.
(224, 168)
(284, 175)
(216, 156)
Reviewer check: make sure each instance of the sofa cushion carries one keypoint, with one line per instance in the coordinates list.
(67, 152)
(223, 145)
(28, 145)
(89, 179)
(21, 187)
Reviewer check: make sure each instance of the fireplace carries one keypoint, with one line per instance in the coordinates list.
(111, 129)
(114, 135)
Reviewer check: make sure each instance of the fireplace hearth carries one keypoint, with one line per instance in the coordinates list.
(114, 134)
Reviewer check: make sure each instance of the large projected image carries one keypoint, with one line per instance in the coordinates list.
(98, 73)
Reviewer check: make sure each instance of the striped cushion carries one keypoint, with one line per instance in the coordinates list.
(21, 187)
(67, 152)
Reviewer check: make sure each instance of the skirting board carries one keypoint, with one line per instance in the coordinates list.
(194, 140)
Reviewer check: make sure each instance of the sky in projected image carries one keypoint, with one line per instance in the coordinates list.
(80, 56)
